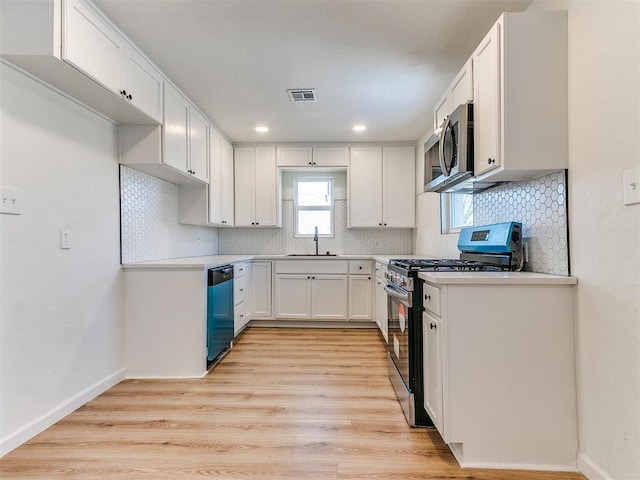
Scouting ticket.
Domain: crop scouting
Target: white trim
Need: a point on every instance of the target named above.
(38, 425)
(589, 469)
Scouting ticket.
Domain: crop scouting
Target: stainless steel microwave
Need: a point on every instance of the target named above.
(448, 157)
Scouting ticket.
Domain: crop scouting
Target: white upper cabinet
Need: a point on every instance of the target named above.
(486, 107)
(226, 185)
(520, 97)
(72, 46)
(142, 84)
(441, 111)
(175, 131)
(198, 145)
(381, 183)
(294, 156)
(365, 196)
(459, 92)
(185, 136)
(92, 45)
(313, 156)
(398, 187)
(220, 180)
(256, 187)
(461, 89)
(330, 156)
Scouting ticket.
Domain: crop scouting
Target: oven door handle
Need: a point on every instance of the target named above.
(404, 297)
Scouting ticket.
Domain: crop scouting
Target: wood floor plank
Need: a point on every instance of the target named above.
(283, 404)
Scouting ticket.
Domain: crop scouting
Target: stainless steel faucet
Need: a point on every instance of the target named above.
(315, 238)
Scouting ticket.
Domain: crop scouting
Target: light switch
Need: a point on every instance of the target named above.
(631, 179)
(11, 201)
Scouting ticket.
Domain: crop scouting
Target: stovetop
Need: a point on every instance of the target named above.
(410, 265)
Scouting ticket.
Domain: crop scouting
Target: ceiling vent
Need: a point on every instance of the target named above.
(303, 95)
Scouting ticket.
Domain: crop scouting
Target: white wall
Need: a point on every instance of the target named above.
(604, 140)
(61, 327)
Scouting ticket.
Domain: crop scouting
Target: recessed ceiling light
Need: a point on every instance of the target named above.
(262, 129)
(359, 128)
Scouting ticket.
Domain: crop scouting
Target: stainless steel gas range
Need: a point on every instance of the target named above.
(483, 248)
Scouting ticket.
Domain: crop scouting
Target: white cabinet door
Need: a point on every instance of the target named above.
(241, 317)
(244, 186)
(330, 156)
(261, 290)
(293, 296)
(381, 309)
(432, 359)
(266, 187)
(143, 83)
(486, 111)
(294, 157)
(226, 184)
(365, 187)
(198, 145)
(329, 297)
(175, 130)
(398, 187)
(215, 178)
(360, 297)
(461, 89)
(441, 111)
(92, 45)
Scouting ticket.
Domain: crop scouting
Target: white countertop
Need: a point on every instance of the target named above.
(207, 261)
(210, 261)
(496, 278)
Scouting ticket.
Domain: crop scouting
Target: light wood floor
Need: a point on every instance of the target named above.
(284, 404)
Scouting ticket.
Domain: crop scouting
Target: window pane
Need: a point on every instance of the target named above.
(309, 219)
(461, 210)
(314, 193)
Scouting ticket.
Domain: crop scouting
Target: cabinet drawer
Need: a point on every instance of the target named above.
(311, 266)
(239, 290)
(360, 266)
(239, 270)
(431, 299)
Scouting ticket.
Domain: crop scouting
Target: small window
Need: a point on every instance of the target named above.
(313, 206)
(456, 211)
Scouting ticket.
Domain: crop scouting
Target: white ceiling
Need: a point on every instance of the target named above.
(383, 63)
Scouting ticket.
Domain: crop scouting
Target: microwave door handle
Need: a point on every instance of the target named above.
(443, 164)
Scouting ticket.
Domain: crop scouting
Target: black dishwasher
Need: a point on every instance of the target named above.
(219, 311)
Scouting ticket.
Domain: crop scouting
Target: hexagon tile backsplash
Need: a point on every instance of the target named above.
(541, 206)
(277, 241)
(149, 219)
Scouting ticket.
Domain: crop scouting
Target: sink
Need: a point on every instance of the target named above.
(312, 255)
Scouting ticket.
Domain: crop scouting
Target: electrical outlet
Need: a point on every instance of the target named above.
(11, 201)
(631, 192)
(65, 239)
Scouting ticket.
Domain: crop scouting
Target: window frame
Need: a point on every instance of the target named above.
(330, 208)
(447, 223)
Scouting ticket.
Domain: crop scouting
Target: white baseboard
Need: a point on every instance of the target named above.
(590, 469)
(33, 428)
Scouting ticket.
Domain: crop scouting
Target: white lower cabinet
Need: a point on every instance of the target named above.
(499, 372)
(382, 311)
(312, 290)
(316, 297)
(361, 290)
(432, 369)
(241, 297)
(261, 290)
